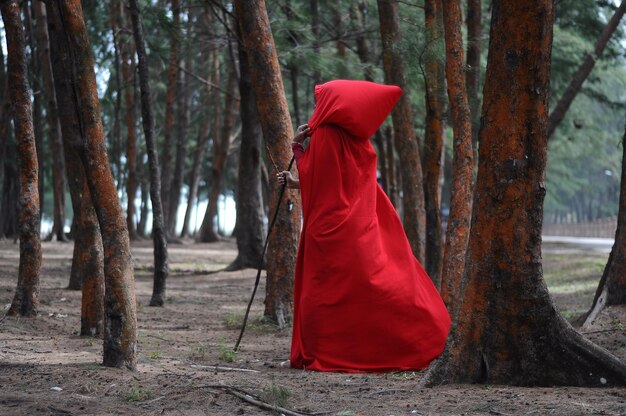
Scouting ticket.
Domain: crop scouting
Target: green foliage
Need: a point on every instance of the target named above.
(137, 394)
(275, 394)
(585, 146)
(227, 354)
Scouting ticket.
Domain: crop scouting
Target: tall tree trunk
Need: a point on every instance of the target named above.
(507, 330)
(87, 271)
(36, 108)
(116, 131)
(5, 121)
(207, 233)
(203, 133)
(172, 76)
(472, 71)
(75, 78)
(277, 129)
(127, 55)
(557, 115)
(158, 227)
(392, 178)
(434, 79)
(221, 143)
(54, 127)
(250, 232)
(458, 229)
(26, 299)
(612, 287)
(358, 15)
(184, 119)
(315, 28)
(145, 196)
(404, 135)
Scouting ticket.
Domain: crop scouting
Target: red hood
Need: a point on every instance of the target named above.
(358, 107)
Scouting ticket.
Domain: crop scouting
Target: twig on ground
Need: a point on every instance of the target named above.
(256, 401)
(599, 331)
(220, 368)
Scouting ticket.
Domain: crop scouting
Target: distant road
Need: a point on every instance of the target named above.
(558, 243)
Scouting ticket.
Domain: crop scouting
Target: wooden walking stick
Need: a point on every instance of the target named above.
(267, 238)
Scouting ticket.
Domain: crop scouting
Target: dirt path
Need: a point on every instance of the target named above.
(47, 369)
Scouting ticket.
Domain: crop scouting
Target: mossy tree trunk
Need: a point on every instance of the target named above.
(434, 78)
(458, 229)
(75, 78)
(507, 329)
(26, 299)
(275, 122)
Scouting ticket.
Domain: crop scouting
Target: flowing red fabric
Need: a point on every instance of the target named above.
(362, 302)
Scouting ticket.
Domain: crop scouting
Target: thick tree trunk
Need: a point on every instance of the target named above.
(26, 299)
(557, 115)
(251, 230)
(433, 145)
(54, 127)
(172, 76)
(75, 78)
(507, 330)
(457, 231)
(404, 135)
(275, 122)
(472, 70)
(612, 287)
(158, 227)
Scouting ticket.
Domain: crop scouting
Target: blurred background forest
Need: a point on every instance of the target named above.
(339, 39)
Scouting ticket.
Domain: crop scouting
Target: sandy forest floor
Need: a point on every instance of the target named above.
(47, 369)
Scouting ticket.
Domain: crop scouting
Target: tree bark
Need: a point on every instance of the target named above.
(54, 127)
(127, 55)
(221, 143)
(458, 229)
(75, 78)
(507, 330)
(205, 127)
(558, 114)
(315, 29)
(26, 299)
(472, 71)
(251, 230)
(116, 131)
(158, 227)
(172, 76)
(404, 135)
(612, 287)
(206, 233)
(184, 119)
(277, 129)
(434, 79)
(34, 73)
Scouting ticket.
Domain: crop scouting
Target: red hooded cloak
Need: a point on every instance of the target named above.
(362, 302)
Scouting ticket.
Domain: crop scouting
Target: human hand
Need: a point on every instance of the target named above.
(285, 177)
(301, 133)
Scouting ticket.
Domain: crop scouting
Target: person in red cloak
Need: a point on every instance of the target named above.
(362, 301)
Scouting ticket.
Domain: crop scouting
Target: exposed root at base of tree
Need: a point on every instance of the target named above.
(568, 359)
